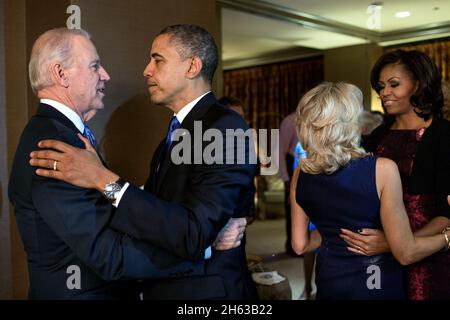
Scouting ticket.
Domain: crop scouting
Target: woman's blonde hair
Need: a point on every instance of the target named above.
(327, 127)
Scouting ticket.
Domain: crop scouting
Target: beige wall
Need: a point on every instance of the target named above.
(16, 116)
(24, 20)
(129, 128)
(5, 234)
(352, 64)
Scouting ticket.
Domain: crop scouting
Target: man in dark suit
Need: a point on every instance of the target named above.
(72, 251)
(191, 199)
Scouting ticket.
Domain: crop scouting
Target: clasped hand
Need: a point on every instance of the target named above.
(73, 165)
(366, 242)
(231, 235)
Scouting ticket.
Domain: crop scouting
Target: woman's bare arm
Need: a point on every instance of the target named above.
(302, 240)
(405, 246)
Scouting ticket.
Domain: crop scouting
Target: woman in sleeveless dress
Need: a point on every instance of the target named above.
(417, 138)
(339, 185)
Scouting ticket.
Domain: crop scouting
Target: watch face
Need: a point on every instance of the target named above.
(111, 189)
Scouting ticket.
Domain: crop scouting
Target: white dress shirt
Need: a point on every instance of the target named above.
(65, 110)
(181, 115)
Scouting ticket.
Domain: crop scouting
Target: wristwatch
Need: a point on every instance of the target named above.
(112, 189)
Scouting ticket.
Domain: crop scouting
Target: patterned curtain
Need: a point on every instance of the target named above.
(437, 50)
(270, 92)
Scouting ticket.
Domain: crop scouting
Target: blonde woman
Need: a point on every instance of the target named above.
(339, 185)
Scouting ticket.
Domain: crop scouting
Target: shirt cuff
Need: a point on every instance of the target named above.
(208, 253)
(119, 196)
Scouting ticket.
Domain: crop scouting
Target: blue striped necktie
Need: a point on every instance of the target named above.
(174, 125)
(87, 133)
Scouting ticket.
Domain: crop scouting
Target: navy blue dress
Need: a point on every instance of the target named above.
(348, 199)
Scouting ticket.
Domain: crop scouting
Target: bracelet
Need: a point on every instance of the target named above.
(447, 239)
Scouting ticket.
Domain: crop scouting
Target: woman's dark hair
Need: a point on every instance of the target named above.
(428, 98)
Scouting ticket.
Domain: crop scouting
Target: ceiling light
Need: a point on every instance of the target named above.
(374, 20)
(402, 14)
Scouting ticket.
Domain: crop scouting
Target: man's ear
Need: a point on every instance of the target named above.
(59, 75)
(194, 68)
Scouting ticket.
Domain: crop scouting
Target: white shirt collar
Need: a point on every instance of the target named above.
(187, 108)
(65, 110)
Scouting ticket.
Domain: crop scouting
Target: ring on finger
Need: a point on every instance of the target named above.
(55, 163)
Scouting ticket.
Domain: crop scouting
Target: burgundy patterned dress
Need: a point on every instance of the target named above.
(430, 277)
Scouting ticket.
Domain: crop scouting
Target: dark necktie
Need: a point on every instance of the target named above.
(174, 125)
(87, 133)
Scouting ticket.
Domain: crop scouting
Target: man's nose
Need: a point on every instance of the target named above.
(147, 70)
(104, 76)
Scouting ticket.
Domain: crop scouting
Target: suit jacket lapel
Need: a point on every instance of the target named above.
(150, 184)
(46, 111)
(188, 123)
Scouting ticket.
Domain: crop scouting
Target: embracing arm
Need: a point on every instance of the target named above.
(371, 241)
(202, 198)
(209, 203)
(80, 218)
(192, 225)
(405, 246)
(435, 226)
(79, 167)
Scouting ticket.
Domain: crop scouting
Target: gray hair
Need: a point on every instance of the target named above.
(53, 46)
(368, 121)
(192, 40)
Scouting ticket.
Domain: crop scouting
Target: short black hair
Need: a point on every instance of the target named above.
(195, 41)
(229, 101)
(428, 98)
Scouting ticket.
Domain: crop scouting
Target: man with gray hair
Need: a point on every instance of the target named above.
(72, 251)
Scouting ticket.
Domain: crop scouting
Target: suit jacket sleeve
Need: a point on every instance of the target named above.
(80, 217)
(186, 227)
